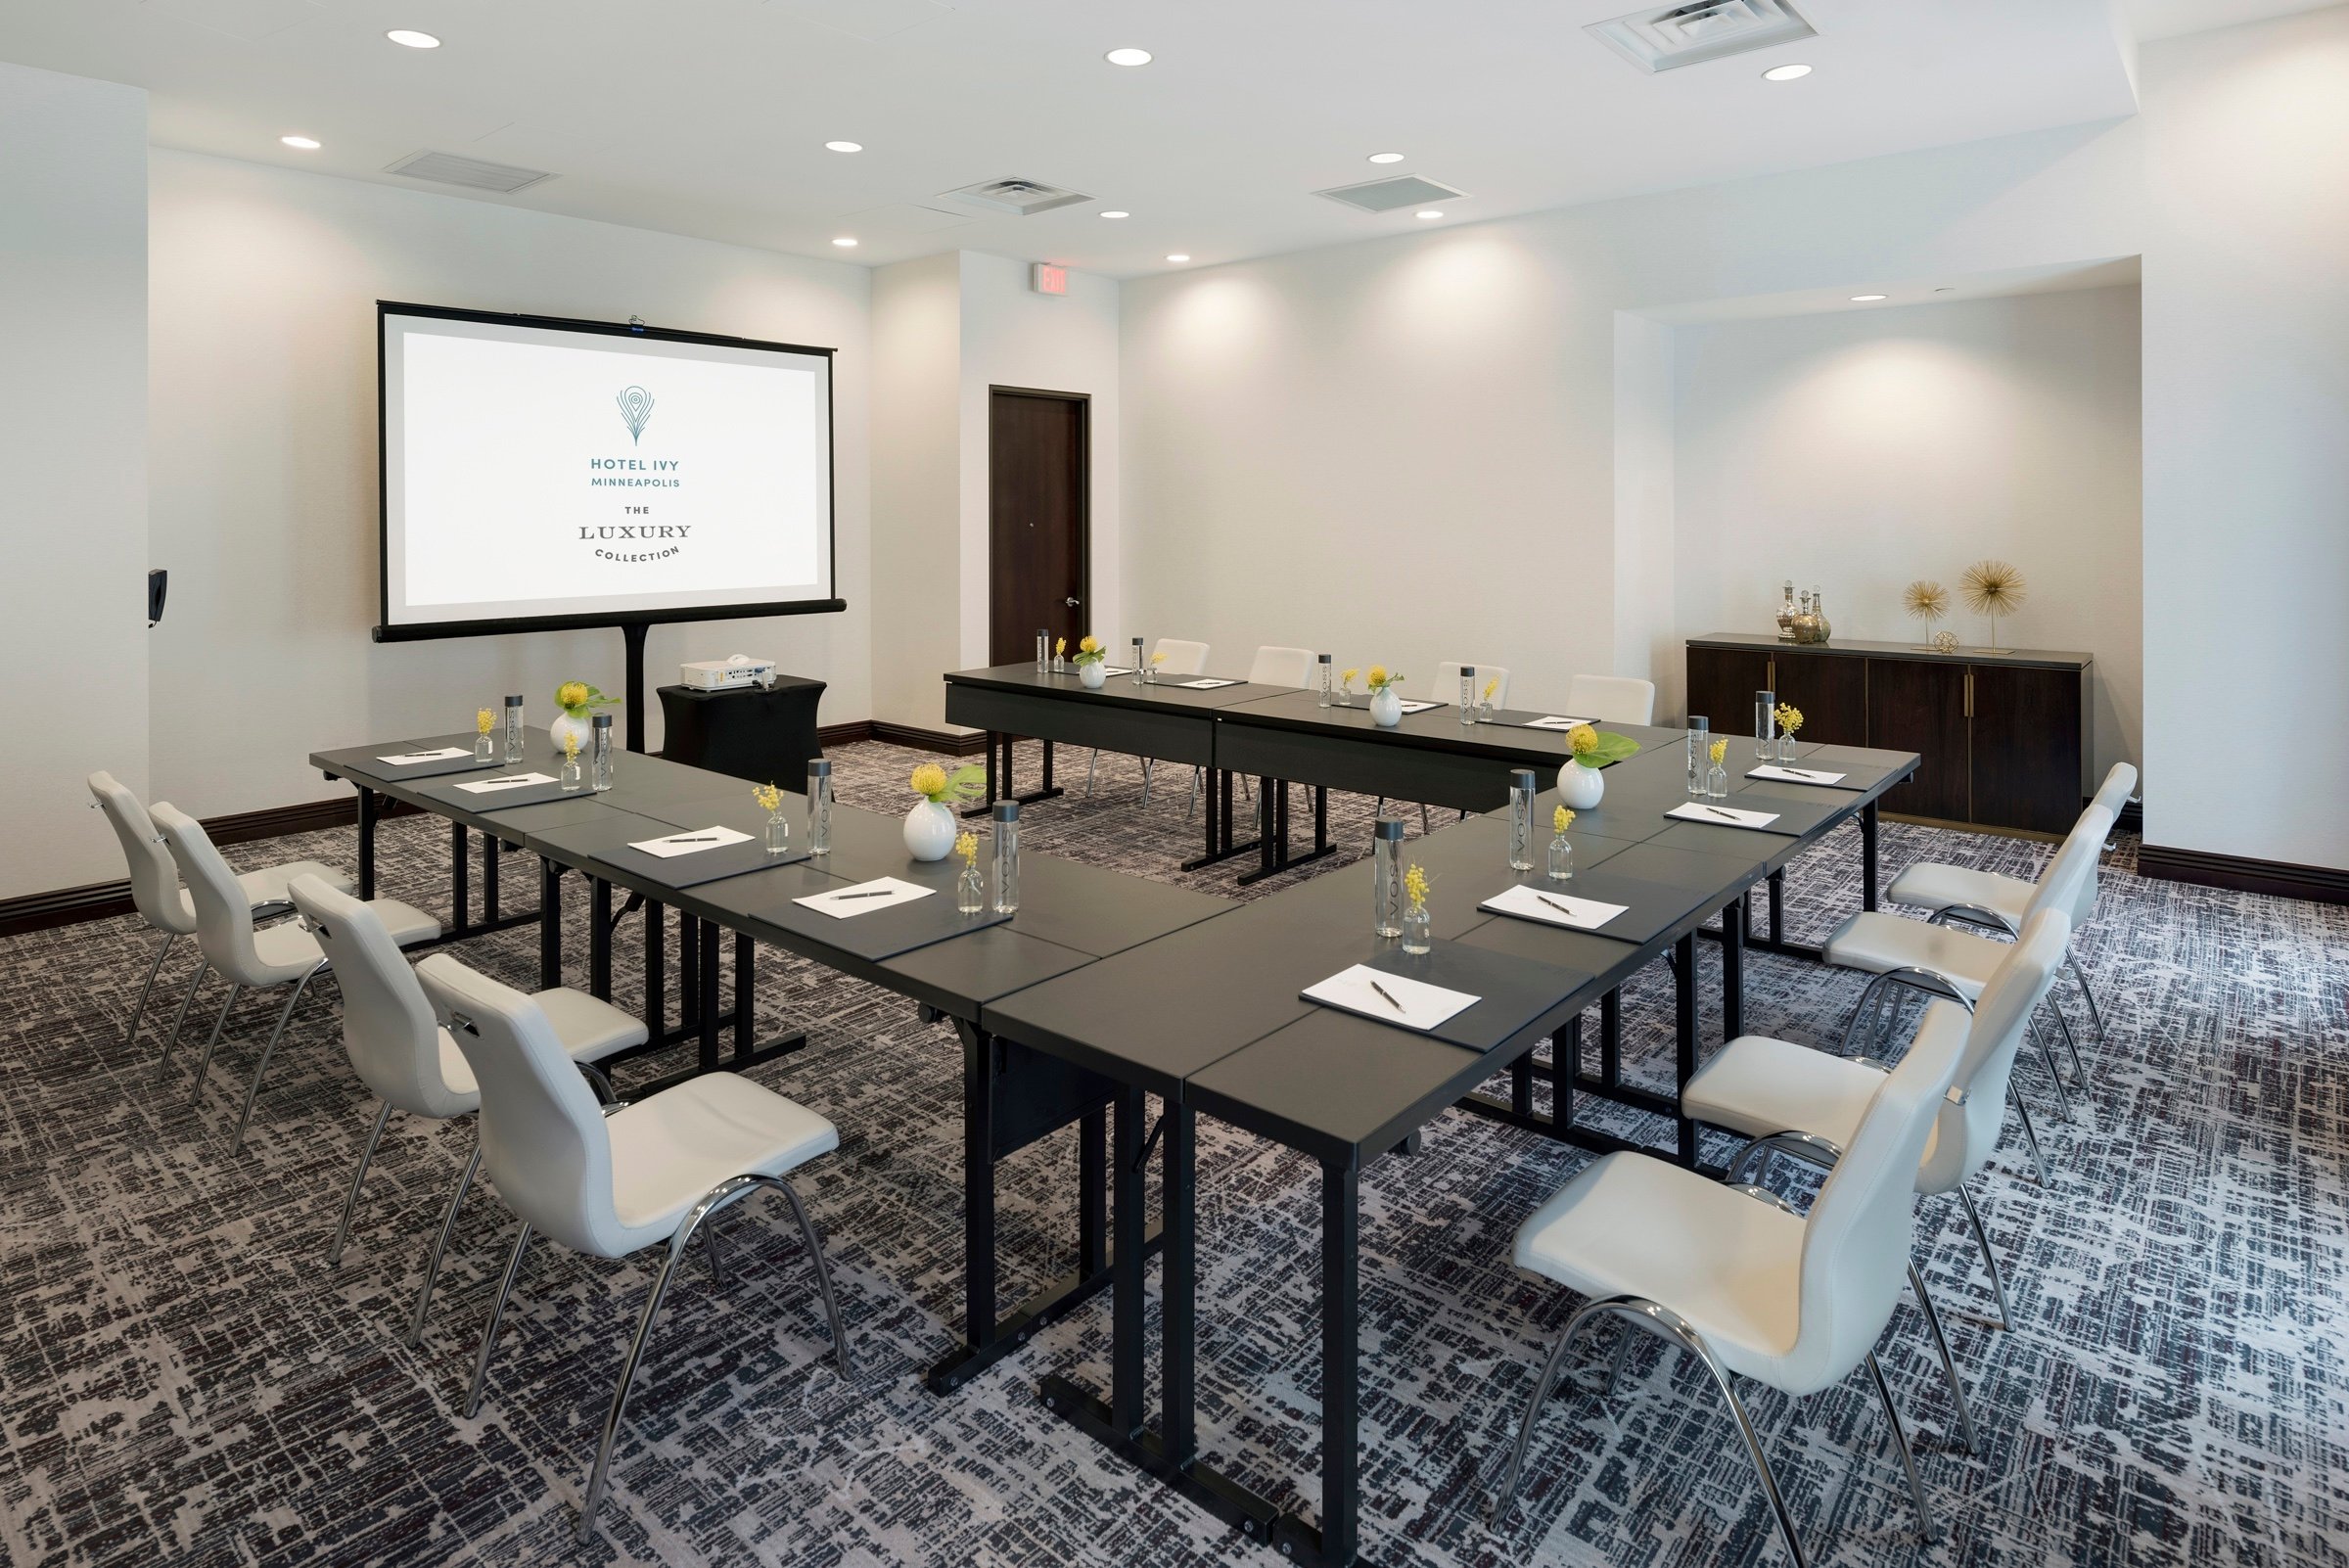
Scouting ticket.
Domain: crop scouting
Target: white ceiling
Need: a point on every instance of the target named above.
(707, 117)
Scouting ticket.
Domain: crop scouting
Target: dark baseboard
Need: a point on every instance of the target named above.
(928, 740)
(2130, 819)
(247, 827)
(64, 906)
(2317, 883)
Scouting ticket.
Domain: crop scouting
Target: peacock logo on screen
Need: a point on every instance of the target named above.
(636, 409)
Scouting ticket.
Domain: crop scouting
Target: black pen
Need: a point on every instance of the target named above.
(1724, 815)
(877, 893)
(1554, 904)
(510, 778)
(1382, 991)
(707, 838)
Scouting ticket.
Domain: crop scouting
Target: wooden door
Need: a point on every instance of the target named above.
(1038, 465)
(1830, 689)
(1918, 705)
(1721, 682)
(2028, 737)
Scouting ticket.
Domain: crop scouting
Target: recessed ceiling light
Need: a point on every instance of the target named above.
(844, 146)
(412, 39)
(1127, 56)
(1786, 73)
(846, 242)
(1178, 257)
(1117, 215)
(1866, 299)
(304, 143)
(1431, 212)
(1386, 157)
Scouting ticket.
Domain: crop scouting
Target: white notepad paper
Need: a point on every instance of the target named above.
(1207, 683)
(1411, 707)
(508, 781)
(411, 758)
(882, 892)
(1795, 776)
(689, 841)
(1414, 1003)
(1723, 815)
(1554, 721)
(1554, 908)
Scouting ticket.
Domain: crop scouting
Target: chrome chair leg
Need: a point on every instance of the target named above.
(440, 1239)
(710, 1250)
(1623, 1354)
(1990, 1258)
(498, 1311)
(601, 1084)
(1090, 763)
(139, 1009)
(1507, 1493)
(1868, 994)
(1899, 1441)
(1948, 1366)
(162, 1062)
(1146, 781)
(824, 1276)
(252, 1092)
(2063, 1097)
(2071, 1046)
(333, 1254)
(196, 1092)
(2022, 1114)
(1192, 809)
(2088, 994)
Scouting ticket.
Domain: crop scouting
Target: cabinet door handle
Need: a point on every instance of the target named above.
(1969, 691)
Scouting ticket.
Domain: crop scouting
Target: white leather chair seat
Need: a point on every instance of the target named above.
(1927, 886)
(1759, 1085)
(268, 885)
(589, 1031)
(669, 1151)
(290, 953)
(1632, 1226)
(1874, 941)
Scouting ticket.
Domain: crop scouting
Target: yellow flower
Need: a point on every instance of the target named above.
(571, 694)
(1492, 686)
(769, 797)
(1378, 675)
(1088, 643)
(1789, 716)
(1582, 740)
(928, 780)
(571, 746)
(1061, 646)
(967, 846)
(1345, 676)
(1720, 749)
(1158, 659)
(1414, 884)
(485, 720)
(1561, 819)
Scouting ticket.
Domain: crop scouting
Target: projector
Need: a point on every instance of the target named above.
(724, 674)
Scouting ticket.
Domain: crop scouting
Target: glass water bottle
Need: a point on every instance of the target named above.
(1561, 859)
(1717, 782)
(1386, 878)
(573, 775)
(1321, 669)
(1044, 650)
(1468, 694)
(512, 731)
(1523, 787)
(599, 753)
(1701, 751)
(819, 806)
(1766, 722)
(1140, 662)
(1007, 856)
(970, 890)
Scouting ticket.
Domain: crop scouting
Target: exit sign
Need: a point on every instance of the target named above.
(1045, 278)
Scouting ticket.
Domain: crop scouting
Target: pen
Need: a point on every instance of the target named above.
(1718, 811)
(510, 778)
(707, 838)
(1382, 991)
(1554, 904)
(877, 893)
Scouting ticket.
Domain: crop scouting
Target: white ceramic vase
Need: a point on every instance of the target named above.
(1092, 676)
(929, 831)
(1580, 787)
(1386, 708)
(565, 724)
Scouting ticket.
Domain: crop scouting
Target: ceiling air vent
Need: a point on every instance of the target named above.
(473, 173)
(1385, 196)
(1017, 197)
(1700, 30)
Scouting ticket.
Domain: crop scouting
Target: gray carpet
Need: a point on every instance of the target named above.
(183, 1379)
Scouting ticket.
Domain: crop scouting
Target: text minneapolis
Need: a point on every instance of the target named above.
(623, 473)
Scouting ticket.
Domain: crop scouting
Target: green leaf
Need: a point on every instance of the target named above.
(966, 783)
(1612, 747)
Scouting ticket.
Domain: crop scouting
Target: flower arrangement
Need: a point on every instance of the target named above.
(769, 797)
(1789, 718)
(1561, 819)
(966, 846)
(1593, 747)
(1089, 650)
(1345, 679)
(483, 721)
(571, 749)
(1720, 750)
(579, 699)
(1157, 659)
(1415, 886)
(1492, 686)
(935, 785)
(1060, 646)
(1381, 677)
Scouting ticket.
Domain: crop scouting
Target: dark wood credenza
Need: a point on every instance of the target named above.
(2003, 736)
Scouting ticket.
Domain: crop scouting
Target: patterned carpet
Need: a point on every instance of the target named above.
(182, 1378)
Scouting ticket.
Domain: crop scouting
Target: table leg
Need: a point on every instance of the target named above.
(1126, 1219)
(1565, 1061)
(1335, 1542)
(1321, 844)
(1179, 1271)
(1777, 907)
(656, 970)
(1521, 1083)
(489, 854)
(745, 992)
(689, 965)
(1733, 969)
(705, 933)
(990, 767)
(1046, 787)
(550, 924)
(1684, 1034)
(599, 939)
(460, 877)
(1868, 824)
(367, 811)
(1268, 827)
(1610, 1039)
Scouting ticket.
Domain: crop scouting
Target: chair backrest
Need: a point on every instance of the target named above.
(2111, 794)
(544, 1139)
(154, 878)
(388, 1025)
(1183, 657)
(1282, 667)
(2071, 875)
(1447, 688)
(1967, 1133)
(1855, 1240)
(224, 914)
(1616, 699)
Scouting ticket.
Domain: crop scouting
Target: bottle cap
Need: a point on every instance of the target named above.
(1467, 671)
(1007, 811)
(1325, 658)
(819, 767)
(513, 702)
(1523, 779)
(1389, 827)
(602, 720)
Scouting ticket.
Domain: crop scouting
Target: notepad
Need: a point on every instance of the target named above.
(1409, 707)
(882, 892)
(1554, 722)
(689, 841)
(1117, 670)
(1723, 815)
(1552, 907)
(1208, 683)
(1795, 776)
(510, 781)
(446, 754)
(1406, 1003)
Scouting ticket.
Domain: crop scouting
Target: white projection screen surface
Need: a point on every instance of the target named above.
(539, 474)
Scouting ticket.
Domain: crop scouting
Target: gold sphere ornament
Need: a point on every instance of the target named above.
(1945, 642)
(1992, 588)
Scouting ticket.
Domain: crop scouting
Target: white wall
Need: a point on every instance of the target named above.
(917, 496)
(1854, 451)
(73, 446)
(263, 408)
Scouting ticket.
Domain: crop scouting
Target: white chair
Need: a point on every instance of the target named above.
(247, 957)
(411, 1063)
(156, 892)
(1749, 1287)
(1282, 667)
(613, 1182)
(1992, 901)
(1939, 960)
(1612, 699)
(1178, 657)
(1809, 1103)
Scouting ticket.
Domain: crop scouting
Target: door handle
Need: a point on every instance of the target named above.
(1071, 603)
